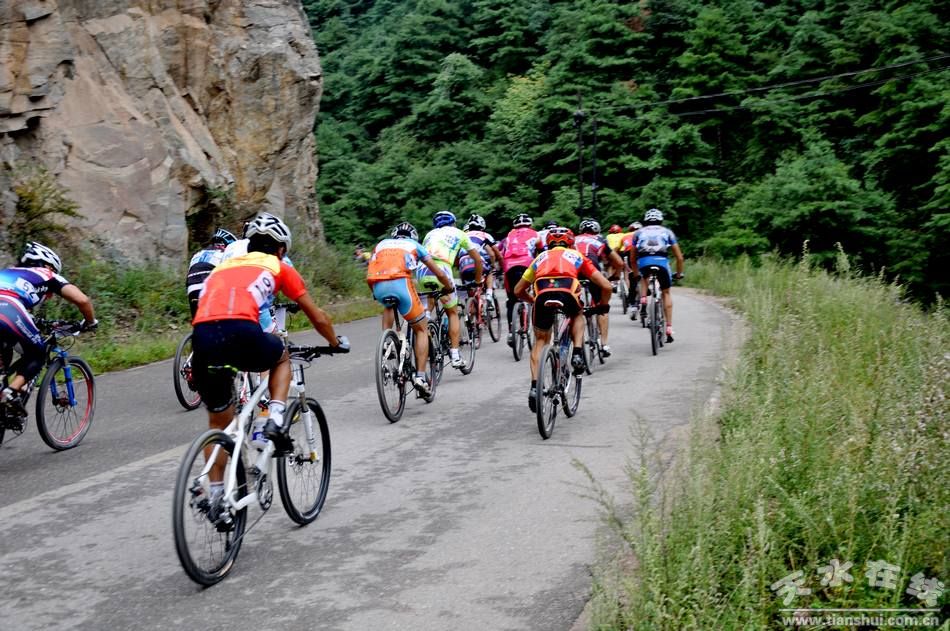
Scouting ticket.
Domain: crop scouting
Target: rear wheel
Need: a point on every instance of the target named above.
(571, 388)
(303, 476)
(470, 324)
(390, 384)
(181, 376)
(590, 343)
(624, 299)
(493, 318)
(436, 353)
(206, 544)
(65, 403)
(654, 325)
(517, 349)
(548, 394)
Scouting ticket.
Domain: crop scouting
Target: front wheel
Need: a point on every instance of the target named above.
(548, 392)
(590, 344)
(65, 403)
(208, 533)
(303, 476)
(182, 378)
(493, 315)
(471, 328)
(390, 382)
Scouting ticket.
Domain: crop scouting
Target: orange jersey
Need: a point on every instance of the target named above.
(239, 287)
(558, 269)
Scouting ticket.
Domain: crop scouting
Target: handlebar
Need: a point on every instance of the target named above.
(291, 307)
(308, 353)
(60, 327)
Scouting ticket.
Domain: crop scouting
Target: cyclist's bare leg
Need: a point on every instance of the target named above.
(218, 420)
(578, 323)
(388, 319)
(279, 383)
(454, 326)
(668, 306)
(541, 340)
(603, 321)
(421, 344)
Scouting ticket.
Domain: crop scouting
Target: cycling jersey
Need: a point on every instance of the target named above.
(23, 289)
(201, 265)
(482, 241)
(395, 258)
(519, 248)
(652, 244)
(558, 270)
(238, 288)
(30, 285)
(445, 243)
(594, 247)
(268, 318)
(614, 239)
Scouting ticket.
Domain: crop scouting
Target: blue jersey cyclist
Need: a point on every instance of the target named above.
(389, 274)
(487, 248)
(22, 289)
(652, 244)
(444, 244)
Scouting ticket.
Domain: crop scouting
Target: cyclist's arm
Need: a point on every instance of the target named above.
(521, 291)
(319, 318)
(601, 281)
(495, 255)
(678, 253)
(75, 295)
(615, 262)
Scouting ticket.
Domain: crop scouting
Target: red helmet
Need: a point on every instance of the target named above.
(560, 237)
(614, 229)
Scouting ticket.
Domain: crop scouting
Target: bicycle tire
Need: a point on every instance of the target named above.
(435, 342)
(654, 325)
(546, 403)
(430, 369)
(590, 343)
(300, 470)
(190, 510)
(661, 326)
(517, 348)
(390, 385)
(571, 391)
(471, 328)
(529, 326)
(472, 322)
(493, 315)
(62, 425)
(624, 298)
(188, 397)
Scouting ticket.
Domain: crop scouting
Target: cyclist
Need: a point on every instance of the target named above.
(444, 242)
(227, 333)
(633, 275)
(22, 289)
(202, 264)
(389, 275)
(652, 244)
(614, 237)
(554, 276)
(487, 248)
(591, 244)
(543, 233)
(518, 249)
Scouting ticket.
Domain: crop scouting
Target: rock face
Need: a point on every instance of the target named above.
(145, 108)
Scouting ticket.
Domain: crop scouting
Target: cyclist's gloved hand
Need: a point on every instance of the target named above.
(88, 326)
(344, 344)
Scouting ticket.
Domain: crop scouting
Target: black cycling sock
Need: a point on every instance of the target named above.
(510, 305)
(534, 383)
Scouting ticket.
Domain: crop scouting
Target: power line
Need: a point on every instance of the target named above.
(773, 86)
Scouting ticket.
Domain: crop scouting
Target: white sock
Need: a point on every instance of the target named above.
(454, 353)
(277, 412)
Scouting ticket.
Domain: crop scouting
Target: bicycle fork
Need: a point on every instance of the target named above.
(68, 378)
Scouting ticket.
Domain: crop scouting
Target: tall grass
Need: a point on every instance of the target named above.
(832, 443)
(143, 310)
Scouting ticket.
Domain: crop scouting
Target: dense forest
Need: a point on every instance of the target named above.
(753, 125)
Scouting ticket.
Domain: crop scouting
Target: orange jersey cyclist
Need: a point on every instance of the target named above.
(227, 332)
(389, 274)
(554, 275)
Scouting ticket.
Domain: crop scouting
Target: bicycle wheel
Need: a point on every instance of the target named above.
(571, 391)
(472, 317)
(303, 477)
(548, 393)
(661, 323)
(390, 384)
(436, 354)
(181, 376)
(529, 326)
(517, 349)
(434, 361)
(493, 318)
(590, 344)
(206, 547)
(654, 325)
(470, 325)
(624, 301)
(63, 424)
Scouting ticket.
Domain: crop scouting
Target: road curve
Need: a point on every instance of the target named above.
(457, 517)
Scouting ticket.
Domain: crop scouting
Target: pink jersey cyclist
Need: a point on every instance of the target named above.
(518, 250)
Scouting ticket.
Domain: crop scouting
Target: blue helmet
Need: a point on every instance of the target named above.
(443, 218)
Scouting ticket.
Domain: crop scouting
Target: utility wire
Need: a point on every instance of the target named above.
(773, 86)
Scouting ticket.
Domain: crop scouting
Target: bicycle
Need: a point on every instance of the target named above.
(485, 313)
(654, 309)
(439, 336)
(593, 349)
(395, 366)
(209, 530)
(557, 385)
(185, 389)
(524, 331)
(66, 397)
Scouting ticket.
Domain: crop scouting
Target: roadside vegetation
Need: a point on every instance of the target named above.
(831, 443)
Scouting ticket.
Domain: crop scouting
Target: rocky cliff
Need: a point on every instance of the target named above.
(145, 109)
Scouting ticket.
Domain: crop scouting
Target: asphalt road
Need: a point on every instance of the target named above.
(458, 517)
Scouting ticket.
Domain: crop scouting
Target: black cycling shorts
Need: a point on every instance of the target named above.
(512, 276)
(239, 344)
(662, 275)
(544, 315)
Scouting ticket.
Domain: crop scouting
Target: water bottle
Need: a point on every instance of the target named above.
(258, 440)
(445, 326)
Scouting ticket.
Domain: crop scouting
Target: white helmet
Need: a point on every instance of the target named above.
(40, 254)
(273, 227)
(653, 215)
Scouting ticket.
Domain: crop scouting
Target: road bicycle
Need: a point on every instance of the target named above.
(523, 331)
(439, 336)
(593, 348)
(210, 528)
(396, 365)
(655, 318)
(484, 313)
(557, 386)
(185, 388)
(66, 396)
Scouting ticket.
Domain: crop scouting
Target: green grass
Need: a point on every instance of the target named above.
(143, 311)
(831, 442)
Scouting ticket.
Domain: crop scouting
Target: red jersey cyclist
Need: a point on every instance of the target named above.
(554, 275)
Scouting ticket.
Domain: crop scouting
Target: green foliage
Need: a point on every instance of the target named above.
(830, 443)
(42, 204)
